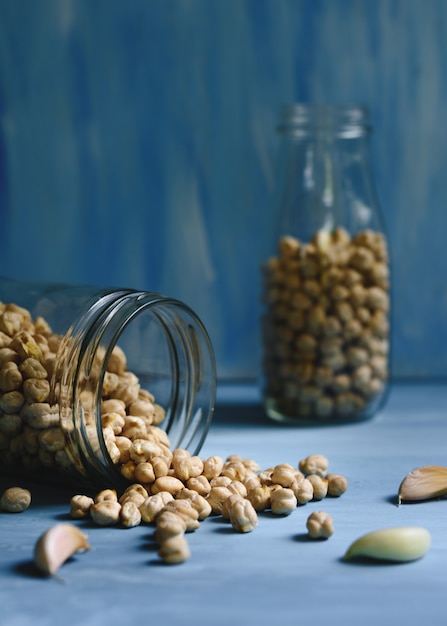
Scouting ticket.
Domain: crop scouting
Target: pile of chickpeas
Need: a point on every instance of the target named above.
(326, 324)
(31, 432)
(169, 488)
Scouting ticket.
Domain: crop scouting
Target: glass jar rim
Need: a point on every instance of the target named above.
(89, 345)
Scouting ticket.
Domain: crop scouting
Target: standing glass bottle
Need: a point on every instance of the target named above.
(326, 289)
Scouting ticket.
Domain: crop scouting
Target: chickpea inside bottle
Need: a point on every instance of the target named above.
(326, 288)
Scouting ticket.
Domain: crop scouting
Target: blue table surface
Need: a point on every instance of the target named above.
(273, 574)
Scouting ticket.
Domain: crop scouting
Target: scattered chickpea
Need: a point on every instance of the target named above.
(319, 525)
(167, 483)
(80, 506)
(212, 467)
(15, 500)
(237, 493)
(320, 486)
(105, 512)
(200, 484)
(283, 474)
(337, 485)
(135, 493)
(130, 514)
(237, 486)
(283, 501)
(304, 492)
(243, 516)
(314, 464)
(259, 496)
(174, 550)
(106, 495)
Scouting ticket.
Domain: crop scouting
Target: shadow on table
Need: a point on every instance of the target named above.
(245, 414)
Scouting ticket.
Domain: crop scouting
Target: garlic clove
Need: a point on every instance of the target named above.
(56, 545)
(399, 544)
(423, 483)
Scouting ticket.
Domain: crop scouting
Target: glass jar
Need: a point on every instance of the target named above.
(326, 289)
(87, 372)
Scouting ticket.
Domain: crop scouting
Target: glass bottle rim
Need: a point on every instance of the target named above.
(347, 121)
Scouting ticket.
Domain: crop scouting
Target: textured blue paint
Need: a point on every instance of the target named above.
(137, 147)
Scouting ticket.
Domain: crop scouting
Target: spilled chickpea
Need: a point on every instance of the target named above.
(235, 489)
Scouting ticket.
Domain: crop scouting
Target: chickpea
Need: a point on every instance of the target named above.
(283, 501)
(337, 485)
(80, 506)
(15, 500)
(320, 525)
(314, 464)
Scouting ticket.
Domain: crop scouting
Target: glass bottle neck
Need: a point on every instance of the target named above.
(337, 121)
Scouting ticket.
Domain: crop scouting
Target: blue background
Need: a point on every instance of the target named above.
(137, 148)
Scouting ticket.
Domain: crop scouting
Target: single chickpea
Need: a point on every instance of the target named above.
(259, 496)
(283, 474)
(80, 506)
(319, 525)
(212, 467)
(144, 473)
(319, 485)
(283, 501)
(304, 491)
(167, 483)
(200, 484)
(236, 486)
(15, 500)
(243, 516)
(314, 464)
(105, 512)
(174, 550)
(106, 495)
(337, 485)
(130, 515)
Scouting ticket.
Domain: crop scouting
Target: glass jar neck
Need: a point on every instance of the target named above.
(338, 121)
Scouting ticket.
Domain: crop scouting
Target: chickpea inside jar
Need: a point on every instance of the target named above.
(326, 288)
(91, 378)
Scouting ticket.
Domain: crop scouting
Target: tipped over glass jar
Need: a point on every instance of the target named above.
(90, 375)
(326, 287)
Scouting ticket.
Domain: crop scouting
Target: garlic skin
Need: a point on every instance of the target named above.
(398, 544)
(56, 545)
(423, 483)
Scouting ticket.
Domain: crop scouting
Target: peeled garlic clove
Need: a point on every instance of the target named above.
(424, 483)
(402, 543)
(56, 545)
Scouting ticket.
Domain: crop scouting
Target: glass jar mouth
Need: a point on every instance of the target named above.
(178, 371)
(346, 121)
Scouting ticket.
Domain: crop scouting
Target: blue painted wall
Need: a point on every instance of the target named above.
(137, 147)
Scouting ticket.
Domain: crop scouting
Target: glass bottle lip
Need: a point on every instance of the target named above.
(346, 121)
